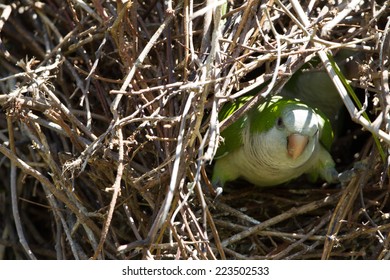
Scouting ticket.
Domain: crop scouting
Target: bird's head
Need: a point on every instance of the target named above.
(300, 125)
(288, 128)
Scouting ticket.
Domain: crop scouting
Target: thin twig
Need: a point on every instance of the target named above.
(116, 189)
(14, 195)
(163, 213)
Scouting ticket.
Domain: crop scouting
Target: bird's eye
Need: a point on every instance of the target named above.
(279, 123)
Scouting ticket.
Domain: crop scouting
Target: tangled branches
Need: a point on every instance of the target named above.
(109, 126)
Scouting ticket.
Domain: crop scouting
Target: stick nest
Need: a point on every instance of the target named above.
(109, 125)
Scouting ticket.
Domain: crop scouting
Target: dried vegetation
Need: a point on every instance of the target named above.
(108, 126)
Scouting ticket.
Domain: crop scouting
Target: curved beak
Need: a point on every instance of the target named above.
(296, 143)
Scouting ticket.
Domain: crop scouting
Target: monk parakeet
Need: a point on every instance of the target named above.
(273, 143)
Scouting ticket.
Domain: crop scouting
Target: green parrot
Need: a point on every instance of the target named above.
(274, 143)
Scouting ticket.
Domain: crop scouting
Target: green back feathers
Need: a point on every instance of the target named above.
(262, 118)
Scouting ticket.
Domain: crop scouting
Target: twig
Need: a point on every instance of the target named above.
(163, 213)
(343, 207)
(75, 248)
(89, 11)
(67, 112)
(323, 220)
(116, 188)
(217, 239)
(14, 195)
(132, 222)
(46, 183)
(340, 16)
(139, 61)
(236, 213)
(7, 10)
(277, 219)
